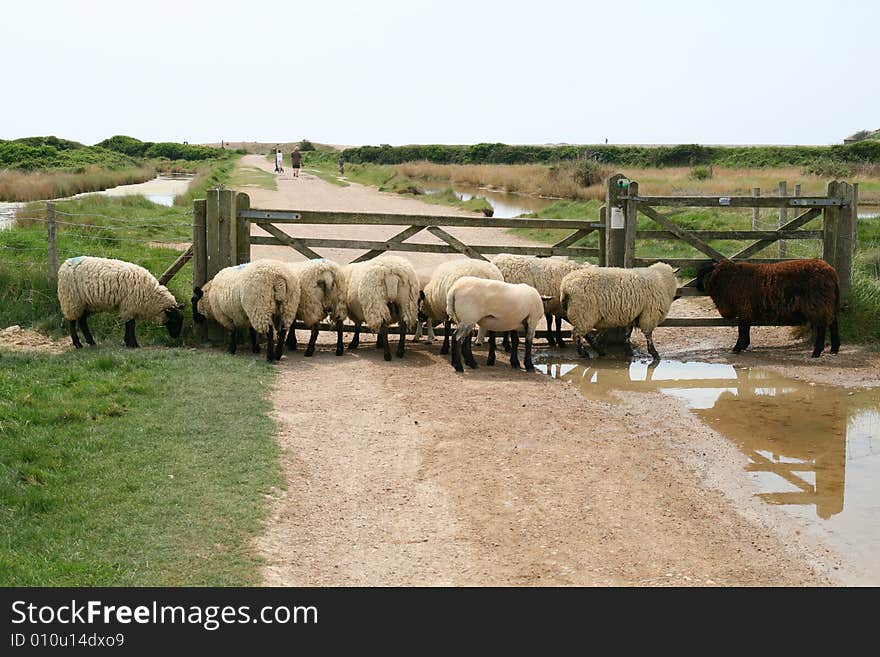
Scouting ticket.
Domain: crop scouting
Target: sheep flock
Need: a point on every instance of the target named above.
(507, 297)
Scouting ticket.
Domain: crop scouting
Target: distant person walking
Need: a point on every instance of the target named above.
(279, 161)
(296, 161)
(341, 163)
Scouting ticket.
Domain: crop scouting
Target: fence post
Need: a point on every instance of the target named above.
(200, 260)
(615, 222)
(242, 229)
(212, 234)
(52, 245)
(855, 217)
(630, 211)
(603, 236)
(227, 243)
(829, 226)
(783, 216)
(844, 245)
(756, 212)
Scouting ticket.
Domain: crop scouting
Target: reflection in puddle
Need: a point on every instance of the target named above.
(504, 204)
(161, 189)
(814, 449)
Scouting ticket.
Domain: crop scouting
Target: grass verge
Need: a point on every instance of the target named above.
(133, 468)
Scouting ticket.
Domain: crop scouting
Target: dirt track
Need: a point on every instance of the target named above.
(405, 473)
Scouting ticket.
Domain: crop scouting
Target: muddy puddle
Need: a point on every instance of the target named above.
(813, 450)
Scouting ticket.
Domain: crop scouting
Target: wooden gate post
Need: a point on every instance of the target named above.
(783, 216)
(615, 222)
(829, 225)
(603, 238)
(227, 225)
(242, 230)
(845, 242)
(212, 234)
(200, 259)
(630, 215)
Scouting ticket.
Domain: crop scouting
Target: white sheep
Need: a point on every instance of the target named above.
(262, 295)
(545, 275)
(381, 292)
(608, 297)
(497, 306)
(432, 299)
(87, 285)
(322, 294)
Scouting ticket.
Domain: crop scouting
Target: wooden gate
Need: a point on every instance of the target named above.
(838, 210)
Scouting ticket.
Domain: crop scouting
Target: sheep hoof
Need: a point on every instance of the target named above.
(458, 368)
(399, 354)
(490, 362)
(309, 353)
(473, 365)
(340, 351)
(444, 351)
(387, 356)
(530, 368)
(816, 354)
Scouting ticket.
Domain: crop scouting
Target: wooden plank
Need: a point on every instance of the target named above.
(574, 237)
(603, 242)
(797, 222)
(630, 218)
(733, 234)
(410, 247)
(457, 244)
(400, 237)
(829, 225)
(226, 226)
(740, 201)
(689, 291)
(844, 244)
(682, 234)
(285, 239)
(212, 233)
(176, 266)
(360, 218)
(699, 262)
(200, 262)
(242, 229)
(783, 216)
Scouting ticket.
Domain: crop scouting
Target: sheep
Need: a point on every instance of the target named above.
(322, 293)
(545, 275)
(424, 279)
(87, 284)
(789, 292)
(380, 292)
(432, 299)
(608, 297)
(262, 295)
(497, 306)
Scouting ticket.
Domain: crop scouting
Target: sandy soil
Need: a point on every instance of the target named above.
(21, 339)
(405, 473)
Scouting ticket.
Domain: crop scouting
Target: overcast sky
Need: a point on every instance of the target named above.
(451, 72)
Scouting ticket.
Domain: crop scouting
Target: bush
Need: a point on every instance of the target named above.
(588, 172)
(827, 168)
(306, 145)
(701, 173)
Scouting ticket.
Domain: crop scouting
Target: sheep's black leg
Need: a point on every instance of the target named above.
(130, 338)
(291, 338)
(456, 355)
(469, 359)
(339, 346)
(835, 337)
(579, 343)
(530, 367)
(279, 347)
(559, 341)
(255, 342)
(356, 340)
(74, 336)
(401, 345)
(383, 338)
(651, 348)
(447, 326)
(514, 349)
(551, 339)
(270, 344)
(743, 339)
(310, 348)
(491, 359)
(84, 327)
(595, 345)
(505, 341)
(819, 346)
(233, 343)
(379, 339)
(627, 340)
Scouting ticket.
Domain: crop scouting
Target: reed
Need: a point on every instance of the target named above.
(39, 185)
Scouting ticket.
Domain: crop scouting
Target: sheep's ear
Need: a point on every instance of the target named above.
(676, 270)
(546, 298)
(421, 295)
(197, 292)
(181, 306)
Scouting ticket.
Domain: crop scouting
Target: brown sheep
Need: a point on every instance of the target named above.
(788, 292)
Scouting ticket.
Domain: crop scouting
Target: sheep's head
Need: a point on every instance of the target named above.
(704, 275)
(198, 293)
(423, 317)
(174, 320)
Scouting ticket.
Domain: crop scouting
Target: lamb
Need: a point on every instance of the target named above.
(788, 292)
(432, 299)
(608, 297)
(87, 284)
(497, 306)
(545, 275)
(262, 295)
(381, 292)
(322, 293)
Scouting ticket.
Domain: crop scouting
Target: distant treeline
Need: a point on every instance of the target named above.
(634, 156)
(119, 152)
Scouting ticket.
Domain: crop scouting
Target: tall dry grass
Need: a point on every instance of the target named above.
(41, 185)
(559, 180)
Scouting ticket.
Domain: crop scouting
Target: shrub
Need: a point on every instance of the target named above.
(589, 171)
(306, 145)
(701, 172)
(827, 168)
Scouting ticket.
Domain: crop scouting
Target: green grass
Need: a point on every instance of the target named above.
(133, 467)
(244, 177)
